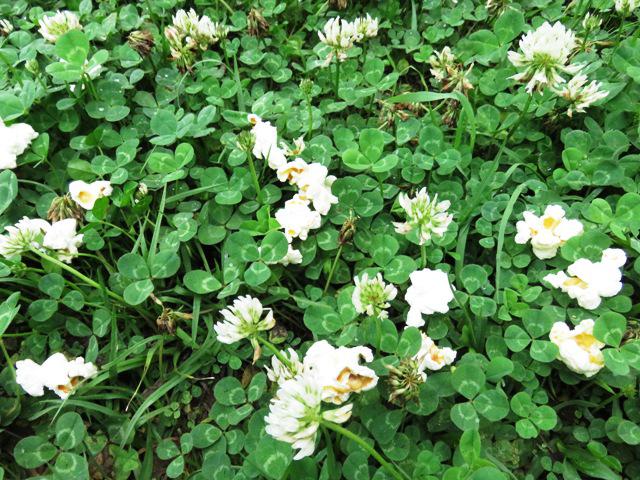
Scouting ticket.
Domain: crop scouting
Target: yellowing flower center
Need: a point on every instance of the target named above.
(585, 340)
(550, 223)
(85, 197)
(575, 282)
(354, 381)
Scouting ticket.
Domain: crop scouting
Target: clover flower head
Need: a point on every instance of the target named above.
(296, 219)
(14, 140)
(293, 257)
(430, 292)
(365, 27)
(295, 414)
(625, 7)
(56, 373)
(52, 28)
(338, 370)
(588, 282)
(62, 238)
(28, 233)
(544, 54)
(243, 320)
(340, 36)
(432, 357)
(548, 232)
(280, 372)
(578, 349)
(426, 215)
(579, 94)
(372, 295)
(5, 27)
(86, 194)
(265, 144)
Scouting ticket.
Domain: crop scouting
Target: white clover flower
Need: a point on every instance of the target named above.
(548, 232)
(430, 292)
(372, 295)
(85, 194)
(266, 143)
(545, 53)
(52, 28)
(428, 216)
(279, 372)
(588, 282)
(338, 370)
(578, 349)
(295, 414)
(14, 140)
(62, 237)
(290, 171)
(314, 185)
(56, 373)
(579, 94)
(243, 320)
(626, 6)
(442, 62)
(26, 234)
(365, 27)
(293, 257)
(5, 27)
(340, 36)
(591, 22)
(296, 219)
(431, 357)
(298, 147)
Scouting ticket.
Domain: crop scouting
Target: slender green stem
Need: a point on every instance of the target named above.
(511, 131)
(7, 358)
(333, 268)
(372, 451)
(77, 274)
(423, 255)
(31, 182)
(310, 110)
(337, 75)
(276, 351)
(254, 175)
(472, 331)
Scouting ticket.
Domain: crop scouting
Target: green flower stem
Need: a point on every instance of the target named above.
(276, 351)
(333, 268)
(254, 175)
(7, 358)
(337, 74)
(310, 110)
(513, 128)
(472, 331)
(77, 274)
(372, 451)
(423, 255)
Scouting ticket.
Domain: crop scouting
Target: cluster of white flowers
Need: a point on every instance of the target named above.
(588, 282)
(432, 357)
(52, 28)
(340, 35)
(579, 94)
(85, 194)
(243, 320)
(430, 292)
(29, 233)
(427, 216)
(545, 53)
(14, 140)
(326, 374)
(625, 7)
(56, 373)
(372, 295)
(313, 181)
(578, 349)
(190, 33)
(548, 232)
(449, 72)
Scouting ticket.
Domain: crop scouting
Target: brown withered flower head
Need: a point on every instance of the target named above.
(64, 207)
(257, 25)
(141, 41)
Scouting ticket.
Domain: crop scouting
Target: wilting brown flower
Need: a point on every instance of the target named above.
(257, 25)
(64, 207)
(141, 41)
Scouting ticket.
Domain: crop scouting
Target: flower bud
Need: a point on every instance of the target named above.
(404, 381)
(141, 192)
(245, 142)
(32, 66)
(306, 87)
(348, 230)
(5, 27)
